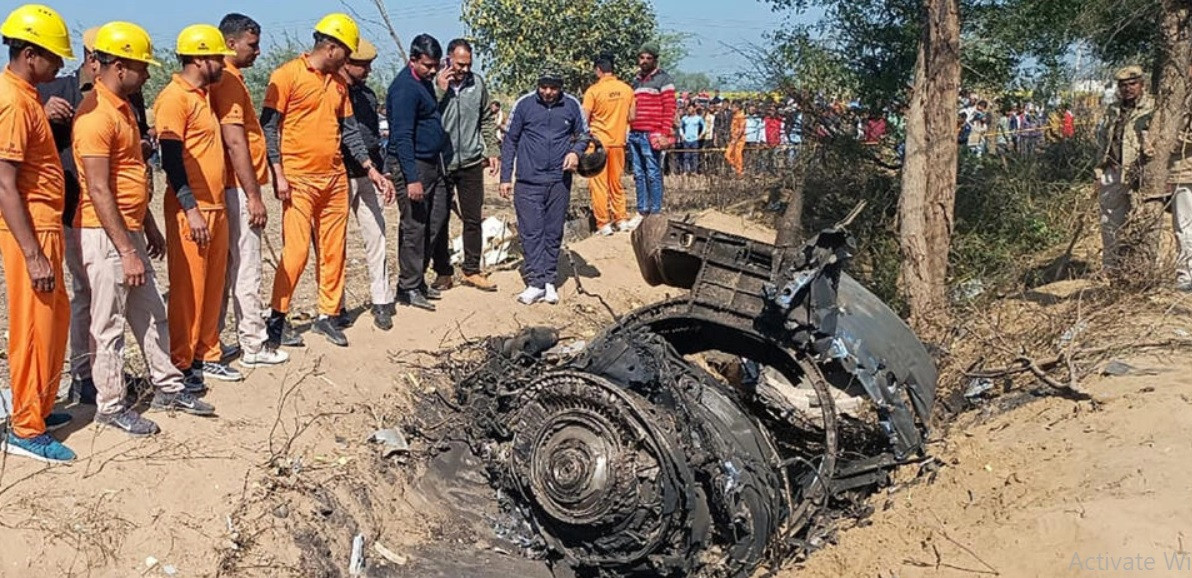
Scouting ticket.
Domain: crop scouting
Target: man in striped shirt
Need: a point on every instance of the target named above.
(654, 98)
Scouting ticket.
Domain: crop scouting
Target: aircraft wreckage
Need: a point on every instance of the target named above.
(630, 458)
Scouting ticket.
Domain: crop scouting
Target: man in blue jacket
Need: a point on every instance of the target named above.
(547, 133)
(418, 151)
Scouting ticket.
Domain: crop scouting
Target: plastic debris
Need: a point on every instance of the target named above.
(497, 239)
(356, 566)
(977, 388)
(392, 441)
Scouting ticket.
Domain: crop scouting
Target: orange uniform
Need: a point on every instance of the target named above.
(38, 322)
(233, 106)
(106, 126)
(311, 104)
(608, 102)
(735, 155)
(183, 113)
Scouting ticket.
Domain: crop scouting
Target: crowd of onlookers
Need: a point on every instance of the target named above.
(775, 128)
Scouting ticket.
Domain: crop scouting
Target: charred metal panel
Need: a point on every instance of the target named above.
(801, 300)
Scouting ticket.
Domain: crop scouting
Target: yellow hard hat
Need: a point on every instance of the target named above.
(39, 25)
(89, 37)
(202, 40)
(366, 52)
(125, 40)
(342, 28)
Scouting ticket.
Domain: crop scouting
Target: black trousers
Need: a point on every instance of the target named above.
(422, 222)
(466, 186)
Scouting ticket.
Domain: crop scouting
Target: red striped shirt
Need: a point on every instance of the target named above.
(655, 99)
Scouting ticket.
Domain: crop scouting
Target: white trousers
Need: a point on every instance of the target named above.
(243, 284)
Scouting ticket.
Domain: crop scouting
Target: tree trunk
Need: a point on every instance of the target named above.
(1174, 54)
(929, 171)
(790, 225)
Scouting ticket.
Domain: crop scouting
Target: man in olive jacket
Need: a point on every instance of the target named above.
(471, 125)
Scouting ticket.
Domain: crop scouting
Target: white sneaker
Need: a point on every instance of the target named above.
(531, 295)
(605, 231)
(634, 222)
(265, 357)
(622, 226)
(552, 295)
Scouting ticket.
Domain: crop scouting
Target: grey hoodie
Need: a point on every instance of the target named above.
(470, 124)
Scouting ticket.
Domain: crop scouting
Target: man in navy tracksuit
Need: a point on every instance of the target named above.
(418, 151)
(546, 135)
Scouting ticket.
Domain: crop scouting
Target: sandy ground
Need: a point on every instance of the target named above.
(1042, 490)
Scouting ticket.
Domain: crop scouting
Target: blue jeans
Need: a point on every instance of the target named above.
(691, 157)
(647, 173)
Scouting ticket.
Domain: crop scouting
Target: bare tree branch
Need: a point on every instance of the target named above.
(383, 10)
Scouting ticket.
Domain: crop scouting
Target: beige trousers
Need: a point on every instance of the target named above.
(1114, 198)
(81, 345)
(112, 304)
(243, 281)
(1181, 217)
(368, 208)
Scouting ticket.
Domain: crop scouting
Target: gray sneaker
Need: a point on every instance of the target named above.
(219, 371)
(128, 421)
(181, 401)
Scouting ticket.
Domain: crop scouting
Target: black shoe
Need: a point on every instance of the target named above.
(382, 318)
(326, 327)
(443, 282)
(181, 401)
(57, 420)
(415, 299)
(275, 326)
(391, 308)
(128, 421)
(192, 380)
(291, 338)
(344, 320)
(431, 293)
(85, 389)
(278, 332)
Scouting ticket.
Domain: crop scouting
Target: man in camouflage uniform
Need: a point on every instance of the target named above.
(1123, 142)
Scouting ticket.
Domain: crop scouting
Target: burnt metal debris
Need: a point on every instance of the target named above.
(631, 459)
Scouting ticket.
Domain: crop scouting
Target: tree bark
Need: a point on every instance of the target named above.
(790, 226)
(1174, 54)
(928, 197)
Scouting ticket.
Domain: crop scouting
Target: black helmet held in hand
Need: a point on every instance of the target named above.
(592, 162)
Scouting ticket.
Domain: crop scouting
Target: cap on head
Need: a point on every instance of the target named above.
(202, 40)
(365, 52)
(342, 28)
(89, 38)
(1128, 73)
(38, 25)
(123, 40)
(550, 77)
(649, 48)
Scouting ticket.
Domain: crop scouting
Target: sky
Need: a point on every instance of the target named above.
(711, 24)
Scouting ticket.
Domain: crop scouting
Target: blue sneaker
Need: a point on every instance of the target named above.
(43, 448)
(57, 420)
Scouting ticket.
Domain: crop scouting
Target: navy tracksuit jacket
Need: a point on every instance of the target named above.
(540, 136)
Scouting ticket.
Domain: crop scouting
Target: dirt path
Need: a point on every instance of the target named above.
(1043, 491)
